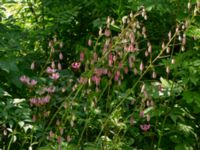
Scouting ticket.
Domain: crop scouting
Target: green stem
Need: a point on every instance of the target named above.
(85, 127)
(161, 133)
(11, 140)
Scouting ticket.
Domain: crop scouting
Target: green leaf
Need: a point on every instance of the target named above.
(165, 83)
(21, 123)
(193, 31)
(190, 96)
(183, 147)
(17, 100)
(115, 28)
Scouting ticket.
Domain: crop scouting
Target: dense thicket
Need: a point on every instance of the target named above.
(99, 74)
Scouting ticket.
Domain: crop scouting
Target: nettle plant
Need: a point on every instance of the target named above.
(118, 94)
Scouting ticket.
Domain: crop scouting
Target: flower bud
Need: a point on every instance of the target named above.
(146, 53)
(189, 6)
(135, 71)
(168, 50)
(154, 75)
(100, 31)
(108, 20)
(149, 48)
(184, 40)
(59, 66)
(173, 61)
(169, 35)
(141, 66)
(89, 42)
(32, 65)
(124, 19)
(167, 70)
(148, 117)
(82, 55)
(182, 48)
(60, 56)
(53, 65)
(61, 44)
(163, 45)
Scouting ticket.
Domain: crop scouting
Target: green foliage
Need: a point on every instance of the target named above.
(73, 78)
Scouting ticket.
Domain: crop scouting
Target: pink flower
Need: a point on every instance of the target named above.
(32, 82)
(40, 101)
(33, 101)
(131, 48)
(55, 76)
(50, 70)
(75, 66)
(82, 55)
(141, 113)
(117, 75)
(126, 70)
(100, 71)
(107, 32)
(50, 89)
(24, 79)
(96, 80)
(110, 59)
(45, 99)
(145, 127)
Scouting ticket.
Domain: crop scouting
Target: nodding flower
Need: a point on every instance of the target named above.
(107, 32)
(50, 70)
(82, 56)
(26, 80)
(55, 76)
(76, 66)
(117, 75)
(40, 101)
(145, 127)
(96, 79)
(32, 82)
(110, 59)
